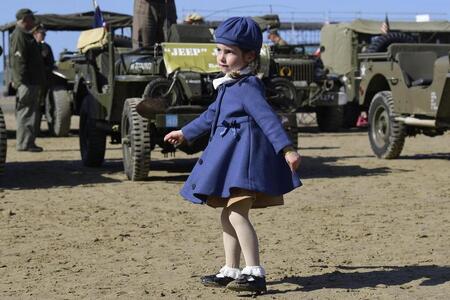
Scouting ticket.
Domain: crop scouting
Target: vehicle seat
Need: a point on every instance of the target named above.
(417, 67)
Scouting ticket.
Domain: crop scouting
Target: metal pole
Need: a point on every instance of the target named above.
(111, 59)
(4, 51)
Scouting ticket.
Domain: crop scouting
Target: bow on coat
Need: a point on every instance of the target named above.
(233, 126)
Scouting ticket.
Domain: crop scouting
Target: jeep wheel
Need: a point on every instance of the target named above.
(159, 87)
(58, 111)
(135, 142)
(351, 114)
(330, 118)
(3, 142)
(92, 139)
(281, 94)
(386, 135)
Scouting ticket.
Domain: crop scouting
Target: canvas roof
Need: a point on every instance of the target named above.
(338, 39)
(76, 21)
(374, 27)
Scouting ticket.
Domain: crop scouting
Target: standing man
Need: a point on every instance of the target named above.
(151, 20)
(28, 76)
(275, 37)
(39, 34)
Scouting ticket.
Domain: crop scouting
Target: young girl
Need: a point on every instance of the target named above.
(249, 161)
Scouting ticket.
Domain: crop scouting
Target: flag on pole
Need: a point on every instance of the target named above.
(98, 17)
(385, 27)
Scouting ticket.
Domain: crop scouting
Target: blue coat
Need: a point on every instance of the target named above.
(245, 146)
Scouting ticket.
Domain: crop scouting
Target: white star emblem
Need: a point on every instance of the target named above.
(363, 70)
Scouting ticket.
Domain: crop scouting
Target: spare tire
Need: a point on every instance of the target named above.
(382, 42)
(281, 94)
(58, 111)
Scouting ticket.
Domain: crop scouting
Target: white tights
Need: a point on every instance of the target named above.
(239, 234)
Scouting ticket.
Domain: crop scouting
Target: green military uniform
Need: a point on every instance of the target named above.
(28, 76)
(49, 65)
(150, 20)
(281, 42)
(275, 37)
(47, 56)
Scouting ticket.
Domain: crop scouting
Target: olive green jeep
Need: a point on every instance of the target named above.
(408, 88)
(137, 96)
(58, 105)
(342, 43)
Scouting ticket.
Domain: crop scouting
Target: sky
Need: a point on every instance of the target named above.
(288, 10)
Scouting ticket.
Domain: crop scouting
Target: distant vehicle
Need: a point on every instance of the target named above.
(58, 106)
(137, 96)
(342, 43)
(408, 88)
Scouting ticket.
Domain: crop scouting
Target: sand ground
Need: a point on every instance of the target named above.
(359, 228)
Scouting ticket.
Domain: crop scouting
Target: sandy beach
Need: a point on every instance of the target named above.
(359, 228)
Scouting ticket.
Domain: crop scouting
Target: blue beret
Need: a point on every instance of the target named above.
(239, 31)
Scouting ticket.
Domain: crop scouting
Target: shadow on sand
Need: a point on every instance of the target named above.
(58, 173)
(71, 173)
(358, 277)
(443, 156)
(326, 167)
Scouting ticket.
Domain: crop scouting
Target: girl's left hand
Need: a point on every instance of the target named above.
(293, 159)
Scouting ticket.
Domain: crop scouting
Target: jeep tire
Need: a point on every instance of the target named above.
(282, 94)
(135, 142)
(386, 135)
(330, 118)
(58, 111)
(92, 139)
(159, 87)
(382, 42)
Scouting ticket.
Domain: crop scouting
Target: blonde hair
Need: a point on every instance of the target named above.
(254, 65)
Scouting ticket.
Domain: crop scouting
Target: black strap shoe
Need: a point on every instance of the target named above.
(249, 283)
(32, 149)
(35, 149)
(214, 281)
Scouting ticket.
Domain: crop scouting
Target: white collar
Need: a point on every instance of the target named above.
(227, 78)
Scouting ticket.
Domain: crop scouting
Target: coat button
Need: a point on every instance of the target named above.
(193, 186)
(200, 161)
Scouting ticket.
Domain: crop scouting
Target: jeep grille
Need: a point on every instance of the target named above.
(296, 70)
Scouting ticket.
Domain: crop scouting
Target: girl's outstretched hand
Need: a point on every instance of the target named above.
(293, 159)
(175, 137)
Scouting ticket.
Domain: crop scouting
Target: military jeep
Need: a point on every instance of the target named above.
(137, 96)
(57, 108)
(408, 88)
(342, 43)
